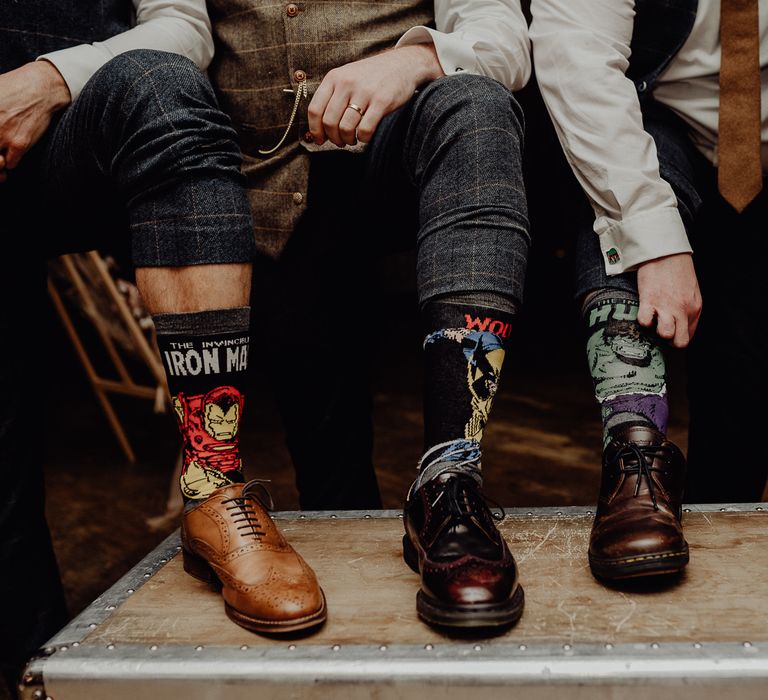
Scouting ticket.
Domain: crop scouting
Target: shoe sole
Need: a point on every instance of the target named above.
(200, 569)
(656, 564)
(278, 627)
(480, 615)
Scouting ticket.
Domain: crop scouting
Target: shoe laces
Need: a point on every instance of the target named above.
(458, 500)
(642, 465)
(241, 508)
(456, 456)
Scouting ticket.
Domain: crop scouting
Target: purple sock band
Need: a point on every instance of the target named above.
(651, 406)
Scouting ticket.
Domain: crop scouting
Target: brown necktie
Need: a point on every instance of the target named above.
(739, 176)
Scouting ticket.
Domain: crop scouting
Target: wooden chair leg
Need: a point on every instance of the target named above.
(93, 377)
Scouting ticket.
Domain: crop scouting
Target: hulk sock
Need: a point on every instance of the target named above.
(626, 364)
(205, 355)
(463, 355)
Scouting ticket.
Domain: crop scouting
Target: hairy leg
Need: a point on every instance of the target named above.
(194, 288)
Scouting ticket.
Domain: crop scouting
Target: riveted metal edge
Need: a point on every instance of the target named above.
(477, 661)
(70, 637)
(517, 512)
(108, 602)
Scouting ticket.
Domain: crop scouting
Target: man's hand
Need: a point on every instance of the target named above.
(669, 291)
(28, 98)
(377, 85)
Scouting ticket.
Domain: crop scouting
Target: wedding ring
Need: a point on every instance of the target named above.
(357, 109)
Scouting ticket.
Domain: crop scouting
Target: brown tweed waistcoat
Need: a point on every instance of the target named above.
(264, 49)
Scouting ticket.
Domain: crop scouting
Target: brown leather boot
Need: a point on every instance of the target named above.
(230, 540)
(637, 530)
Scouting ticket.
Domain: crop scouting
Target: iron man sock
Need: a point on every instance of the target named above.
(463, 355)
(205, 355)
(626, 363)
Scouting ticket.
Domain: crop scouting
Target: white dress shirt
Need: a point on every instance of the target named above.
(484, 37)
(581, 49)
(179, 26)
(690, 84)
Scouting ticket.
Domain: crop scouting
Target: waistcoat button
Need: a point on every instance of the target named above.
(298, 197)
(292, 10)
(299, 75)
(308, 137)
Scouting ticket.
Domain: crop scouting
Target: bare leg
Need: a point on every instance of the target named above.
(194, 288)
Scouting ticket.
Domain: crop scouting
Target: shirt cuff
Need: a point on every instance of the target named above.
(629, 243)
(456, 55)
(76, 65)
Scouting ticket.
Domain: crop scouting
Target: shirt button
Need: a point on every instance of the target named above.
(298, 197)
(308, 137)
(299, 75)
(292, 10)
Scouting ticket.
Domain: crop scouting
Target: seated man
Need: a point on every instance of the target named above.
(441, 169)
(92, 150)
(664, 136)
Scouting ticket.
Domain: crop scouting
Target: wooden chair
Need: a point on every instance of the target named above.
(83, 282)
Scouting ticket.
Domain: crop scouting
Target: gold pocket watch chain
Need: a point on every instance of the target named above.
(301, 91)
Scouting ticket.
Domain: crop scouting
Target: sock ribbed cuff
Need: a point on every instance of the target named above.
(212, 322)
(607, 294)
(486, 300)
(443, 316)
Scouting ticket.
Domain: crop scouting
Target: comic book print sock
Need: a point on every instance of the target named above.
(463, 354)
(626, 363)
(205, 355)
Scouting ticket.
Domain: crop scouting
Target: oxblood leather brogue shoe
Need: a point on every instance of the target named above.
(468, 575)
(230, 540)
(637, 529)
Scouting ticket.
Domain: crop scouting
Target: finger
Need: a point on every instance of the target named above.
(349, 121)
(337, 105)
(2, 162)
(682, 336)
(316, 110)
(665, 325)
(370, 121)
(645, 313)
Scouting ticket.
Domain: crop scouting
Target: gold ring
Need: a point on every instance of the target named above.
(357, 109)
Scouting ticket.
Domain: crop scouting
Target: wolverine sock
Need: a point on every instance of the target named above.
(626, 364)
(463, 356)
(205, 355)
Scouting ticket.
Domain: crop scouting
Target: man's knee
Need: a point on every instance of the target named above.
(475, 100)
(130, 66)
(158, 103)
(146, 77)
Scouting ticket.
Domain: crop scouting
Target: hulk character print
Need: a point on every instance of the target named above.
(627, 367)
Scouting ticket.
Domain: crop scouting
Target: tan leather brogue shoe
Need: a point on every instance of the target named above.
(637, 529)
(230, 540)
